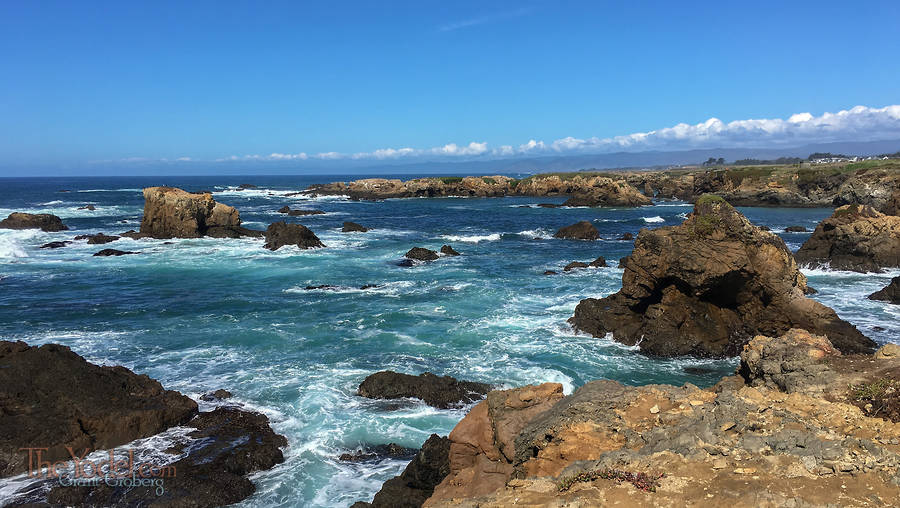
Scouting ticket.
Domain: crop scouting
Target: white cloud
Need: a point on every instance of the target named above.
(860, 123)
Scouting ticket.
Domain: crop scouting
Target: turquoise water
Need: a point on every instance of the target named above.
(204, 314)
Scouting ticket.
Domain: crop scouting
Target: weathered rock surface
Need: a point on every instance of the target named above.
(857, 238)
(113, 252)
(52, 398)
(280, 234)
(889, 293)
(97, 239)
(448, 251)
(43, 221)
(609, 192)
(706, 287)
(421, 254)
(417, 482)
(174, 213)
(438, 391)
(350, 227)
(227, 445)
(583, 230)
(742, 443)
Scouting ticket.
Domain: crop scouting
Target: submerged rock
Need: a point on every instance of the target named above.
(583, 230)
(55, 245)
(706, 287)
(99, 238)
(573, 265)
(217, 395)
(353, 227)
(174, 213)
(378, 452)
(113, 252)
(416, 484)
(856, 238)
(44, 221)
(795, 229)
(280, 234)
(448, 251)
(441, 392)
(889, 293)
(52, 398)
(421, 254)
(88, 207)
(626, 236)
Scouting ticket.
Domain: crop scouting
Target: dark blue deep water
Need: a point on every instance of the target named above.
(204, 314)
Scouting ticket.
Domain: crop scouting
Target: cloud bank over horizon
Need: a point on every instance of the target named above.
(860, 123)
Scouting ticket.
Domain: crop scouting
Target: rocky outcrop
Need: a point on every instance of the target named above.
(421, 254)
(299, 213)
(280, 234)
(448, 251)
(441, 392)
(795, 229)
(174, 213)
(110, 407)
(608, 192)
(856, 238)
(377, 452)
(583, 230)
(706, 287)
(97, 239)
(417, 482)
(889, 293)
(227, 445)
(350, 227)
(55, 245)
(381, 188)
(742, 443)
(43, 221)
(218, 395)
(113, 252)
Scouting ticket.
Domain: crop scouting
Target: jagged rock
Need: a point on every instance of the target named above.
(549, 272)
(609, 192)
(44, 221)
(416, 484)
(280, 234)
(856, 238)
(353, 227)
(228, 445)
(790, 363)
(52, 398)
(302, 213)
(421, 254)
(583, 230)
(889, 293)
(284, 209)
(546, 205)
(795, 229)
(113, 252)
(99, 238)
(573, 265)
(174, 213)
(55, 245)
(448, 251)
(217, 395)
(88, 207)
(600, 262)
(706, 287)
(892, 205)
(626, 236)
(438, 391)
(246, 186)
(482, 445)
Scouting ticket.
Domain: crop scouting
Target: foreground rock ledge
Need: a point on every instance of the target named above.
(745, 442)
(706, 287)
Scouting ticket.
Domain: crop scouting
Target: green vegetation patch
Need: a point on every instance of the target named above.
(708, 199)
(738, 175)
(879, 398)
(704, 225)
(450, 179)
(642, 481)
(850, 210)
(488, 180)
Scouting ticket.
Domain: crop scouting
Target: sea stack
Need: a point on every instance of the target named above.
(170, 212)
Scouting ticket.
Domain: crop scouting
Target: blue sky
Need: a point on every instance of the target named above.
(116, 81)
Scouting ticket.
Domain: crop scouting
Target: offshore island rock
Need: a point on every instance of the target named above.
(442, 392)
(44, 221)
(170, 212)
(856, 238)
(706, 287)
(583, 230)
(280, 234)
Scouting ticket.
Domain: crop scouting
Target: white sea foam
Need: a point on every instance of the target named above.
(656, 218)
(472, 238)
(536, 233)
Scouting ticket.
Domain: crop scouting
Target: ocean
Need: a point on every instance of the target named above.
(204, 314)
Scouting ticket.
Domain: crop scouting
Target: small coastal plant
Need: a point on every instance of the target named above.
(641, 480)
